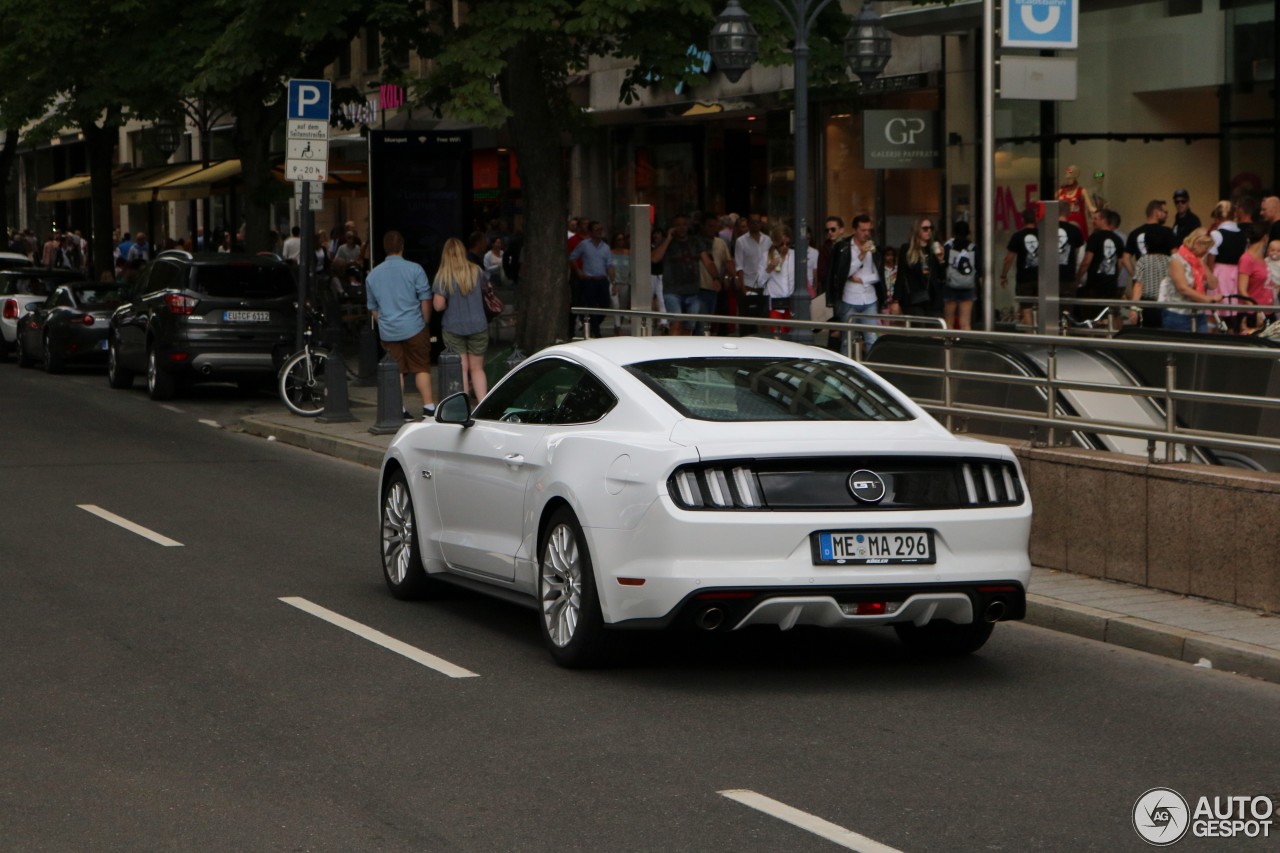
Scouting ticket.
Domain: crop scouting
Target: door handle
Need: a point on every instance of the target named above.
(515, 460)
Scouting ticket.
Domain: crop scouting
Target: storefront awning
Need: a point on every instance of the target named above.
(69, 190)
(937, 19)
(141, 186)
(200, 183)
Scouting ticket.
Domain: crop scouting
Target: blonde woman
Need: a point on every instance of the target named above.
(918, 289)
(459, 297)
(778, 274)
(1189, 281)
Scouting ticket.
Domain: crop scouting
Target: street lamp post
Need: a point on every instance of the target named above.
(734, 45)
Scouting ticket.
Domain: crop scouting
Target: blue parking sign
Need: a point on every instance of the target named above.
(1046, 24)
(309, 99)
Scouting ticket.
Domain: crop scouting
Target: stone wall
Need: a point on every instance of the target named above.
(1198, 530)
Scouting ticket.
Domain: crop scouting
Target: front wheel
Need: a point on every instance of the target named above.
(301, 383)
(944, 639)
(401, 555)
(572, 623)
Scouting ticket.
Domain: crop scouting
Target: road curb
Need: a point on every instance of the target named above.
(1154, 638)
(297, 436)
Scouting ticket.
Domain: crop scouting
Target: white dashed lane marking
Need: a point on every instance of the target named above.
(414, 654)
(846, 838)
(130, 526)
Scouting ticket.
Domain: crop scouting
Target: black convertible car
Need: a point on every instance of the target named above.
(69, 326)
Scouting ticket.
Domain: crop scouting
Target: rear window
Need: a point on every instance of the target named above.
(100, 298)
(25, 284)
(769, 389)
(245, 280)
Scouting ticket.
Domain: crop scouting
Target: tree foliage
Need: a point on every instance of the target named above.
(509, 63)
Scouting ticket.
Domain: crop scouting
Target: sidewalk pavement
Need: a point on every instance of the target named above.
(1200, 632)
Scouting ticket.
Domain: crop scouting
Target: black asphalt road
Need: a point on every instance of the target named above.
(157, 698)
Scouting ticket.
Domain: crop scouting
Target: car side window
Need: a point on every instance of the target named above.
(588, 401)
(534, 395)
(161, 276)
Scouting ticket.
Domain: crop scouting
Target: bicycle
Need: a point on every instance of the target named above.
(302, 376)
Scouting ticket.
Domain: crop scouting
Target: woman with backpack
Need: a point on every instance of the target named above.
(961, 257)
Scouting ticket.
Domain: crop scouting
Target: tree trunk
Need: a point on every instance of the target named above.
(100, 146)
(7, 157)
(255, 124)
(535, 127)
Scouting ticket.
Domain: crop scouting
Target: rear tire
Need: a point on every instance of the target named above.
(571, 622)
(944, 639)
(301, 395)
(160, 383)
(20, 352)
(401, 556)
(53, 362)
(117, 376)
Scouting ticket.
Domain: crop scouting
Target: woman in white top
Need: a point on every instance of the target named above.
(493, 261)
(778, 274)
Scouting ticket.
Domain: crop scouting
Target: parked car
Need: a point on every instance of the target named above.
(14, 261)
(712, 484)
(204, 317)
(23, 287)
(70, 326)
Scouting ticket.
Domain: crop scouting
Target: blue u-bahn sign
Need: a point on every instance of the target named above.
(1045, 24)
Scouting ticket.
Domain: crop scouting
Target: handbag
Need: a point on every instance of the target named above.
(492, 301)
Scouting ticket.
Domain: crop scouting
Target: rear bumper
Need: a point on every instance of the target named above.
(731, 609)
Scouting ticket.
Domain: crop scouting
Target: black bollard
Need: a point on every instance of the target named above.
(337, 406)
(390, 398)
(449, 366)
(368, 373)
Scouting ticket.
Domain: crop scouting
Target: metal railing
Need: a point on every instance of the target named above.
(1201, 312)
(1168, 396)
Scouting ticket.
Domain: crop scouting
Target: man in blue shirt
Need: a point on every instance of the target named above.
(399, 299)
(596, 273)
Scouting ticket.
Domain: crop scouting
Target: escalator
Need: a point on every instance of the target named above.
(1118, 368)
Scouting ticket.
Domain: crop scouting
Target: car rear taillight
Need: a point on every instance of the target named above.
(716, 487)
(179, 304)
(87, 319)
(11, 309)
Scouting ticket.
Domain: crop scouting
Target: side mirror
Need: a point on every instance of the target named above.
(455, 409)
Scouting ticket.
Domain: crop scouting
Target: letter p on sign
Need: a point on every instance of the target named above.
(309, 99)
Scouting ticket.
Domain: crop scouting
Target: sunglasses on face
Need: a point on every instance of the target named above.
(926, 227)
(832, 230)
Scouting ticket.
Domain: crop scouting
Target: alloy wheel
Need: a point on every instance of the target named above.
(561, 584)
(397, 533)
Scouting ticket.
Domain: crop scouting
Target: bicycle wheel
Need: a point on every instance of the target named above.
(301, 383)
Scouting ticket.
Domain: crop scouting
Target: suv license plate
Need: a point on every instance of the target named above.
(246, 316)
(872, 548)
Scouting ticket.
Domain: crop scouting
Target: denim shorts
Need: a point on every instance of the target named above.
(959, 294)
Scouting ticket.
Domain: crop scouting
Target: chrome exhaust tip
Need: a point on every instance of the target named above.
(710, 619)
(995, 611)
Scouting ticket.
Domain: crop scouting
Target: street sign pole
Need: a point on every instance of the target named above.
(304, 268)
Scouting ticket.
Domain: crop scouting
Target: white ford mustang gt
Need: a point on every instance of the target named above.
(709, 483)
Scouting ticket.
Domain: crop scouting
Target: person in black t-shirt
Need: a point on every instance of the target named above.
(1024, 250)
(1099, 273)
(1152, 237)
(1070, 239)
(1184, 222)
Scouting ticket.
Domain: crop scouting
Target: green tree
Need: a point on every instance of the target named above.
(260, 46)
(91, 65)
(508, 62)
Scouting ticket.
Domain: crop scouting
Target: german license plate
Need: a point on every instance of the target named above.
(246, 316)
(872, 548)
